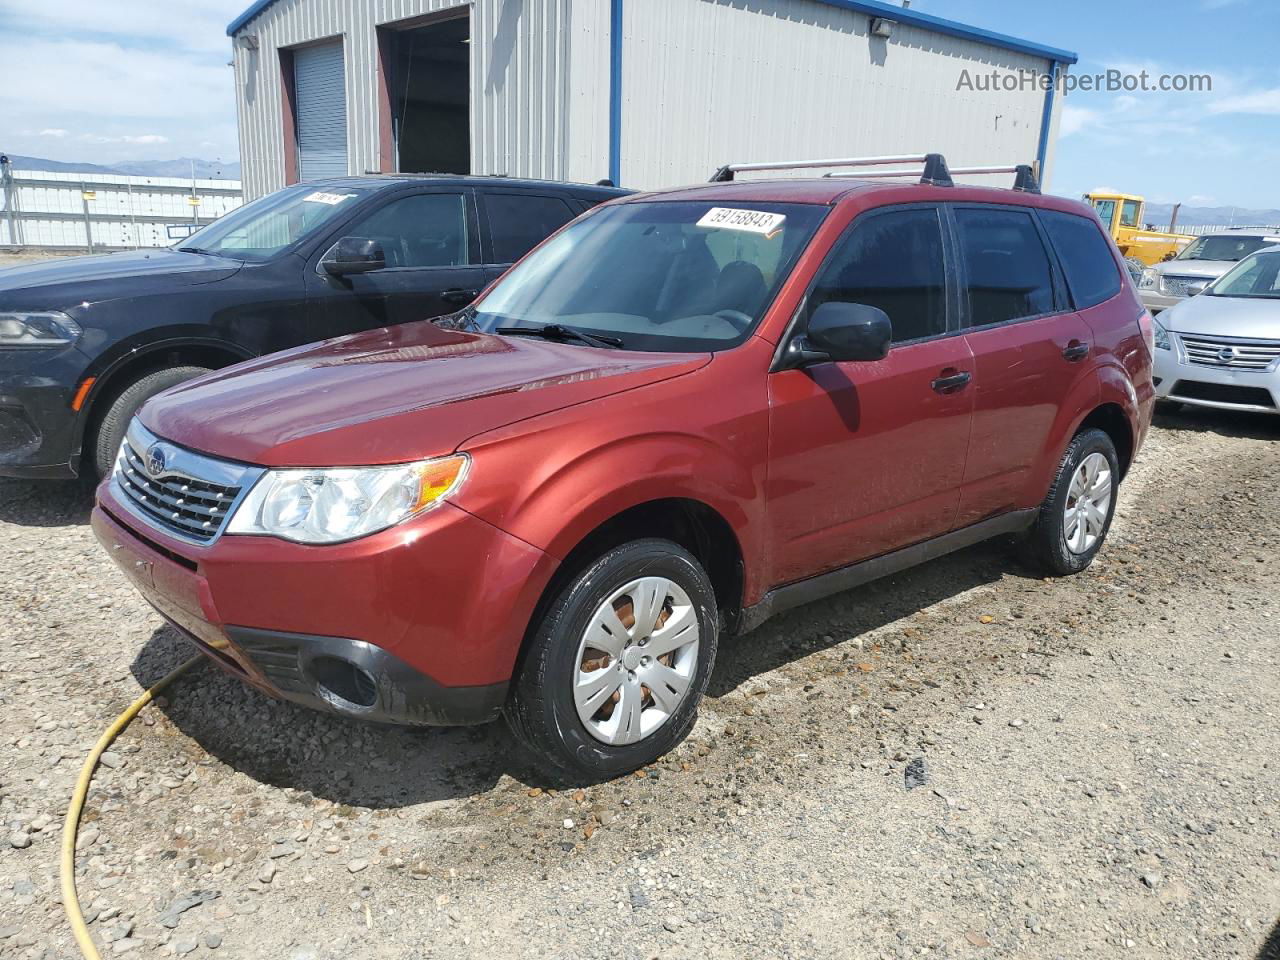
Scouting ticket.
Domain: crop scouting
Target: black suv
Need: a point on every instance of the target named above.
(84, 342)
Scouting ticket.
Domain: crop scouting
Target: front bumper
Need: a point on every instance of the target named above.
(1155, 301)
(1223, 388)
(37, 424)
(420, 624)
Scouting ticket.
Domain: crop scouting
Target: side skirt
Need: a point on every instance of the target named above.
(855, 575)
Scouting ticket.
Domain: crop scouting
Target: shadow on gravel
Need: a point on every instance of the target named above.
(371, 765)
(44, 503)
(1271, 949)
(826, 623)
(1225, 423)
(345, 761)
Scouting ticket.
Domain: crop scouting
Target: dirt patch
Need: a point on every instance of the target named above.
(962, 760)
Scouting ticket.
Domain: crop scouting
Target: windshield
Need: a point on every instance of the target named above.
(1106, 210)
(261, 229)
(1219, 247)
(1255, 276)
(665, 276)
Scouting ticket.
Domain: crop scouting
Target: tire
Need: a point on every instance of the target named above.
(108, 431)
(1054, 544)
(543, 712)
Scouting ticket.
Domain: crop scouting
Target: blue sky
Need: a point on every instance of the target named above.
(1218, 148)
(147, 79)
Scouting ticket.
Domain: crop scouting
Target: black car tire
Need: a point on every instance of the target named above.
(1045, 546)
(541, 710)
(108, 431)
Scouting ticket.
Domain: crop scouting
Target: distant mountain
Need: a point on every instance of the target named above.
(1159, 213)
(205, 169)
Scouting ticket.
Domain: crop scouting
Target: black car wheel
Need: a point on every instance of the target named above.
(617, 664)
(104, 439)
(1076, 515)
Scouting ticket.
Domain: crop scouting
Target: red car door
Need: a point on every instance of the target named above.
(1029, 351)
(868, 457)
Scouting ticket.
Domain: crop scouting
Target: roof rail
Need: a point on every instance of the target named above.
(935, 166)
(1024, 175)
(933, 169)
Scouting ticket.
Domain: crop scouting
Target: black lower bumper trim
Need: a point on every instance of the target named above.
(361, 680)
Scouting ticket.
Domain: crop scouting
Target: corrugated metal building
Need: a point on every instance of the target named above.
(651, 93)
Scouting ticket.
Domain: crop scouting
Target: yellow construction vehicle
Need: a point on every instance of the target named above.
(1121, 214)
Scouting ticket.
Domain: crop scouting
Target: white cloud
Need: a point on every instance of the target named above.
(192, 26)
(1075, 119)
(1256, 101)
(53, 132)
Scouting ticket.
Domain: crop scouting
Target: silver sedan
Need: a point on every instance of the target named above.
(1221, 347)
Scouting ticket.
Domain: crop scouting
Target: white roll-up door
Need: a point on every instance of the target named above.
(321, 100)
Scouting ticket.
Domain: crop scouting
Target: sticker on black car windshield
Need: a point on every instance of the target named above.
(751, 221)
(330, 198)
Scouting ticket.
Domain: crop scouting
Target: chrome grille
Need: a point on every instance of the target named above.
(181, 492)
(1233, 352)
(1177, 286)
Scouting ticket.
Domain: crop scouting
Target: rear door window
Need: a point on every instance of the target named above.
(518, 222)
(1006, 267)
(1092, 275)
(892, 260)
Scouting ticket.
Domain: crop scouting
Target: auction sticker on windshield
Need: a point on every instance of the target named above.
(752, 221)
(330, 198)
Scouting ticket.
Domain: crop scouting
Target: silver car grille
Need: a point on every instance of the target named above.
(183, 493)
(1233, 352)
(1177, 286)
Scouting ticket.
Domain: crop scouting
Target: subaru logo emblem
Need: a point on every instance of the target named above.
(155, 459)
(1226, 354)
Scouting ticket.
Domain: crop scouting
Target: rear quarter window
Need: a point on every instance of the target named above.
(1092, 274)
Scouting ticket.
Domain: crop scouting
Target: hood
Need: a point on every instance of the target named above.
(57, 284)
(392, 395)
(1209, 269)
(1249, 317)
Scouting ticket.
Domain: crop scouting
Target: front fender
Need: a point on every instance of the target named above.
(554, 502)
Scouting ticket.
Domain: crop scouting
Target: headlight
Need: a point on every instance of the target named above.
(317, 505)
(1150, 279)
(50, 329)
(1162, 336)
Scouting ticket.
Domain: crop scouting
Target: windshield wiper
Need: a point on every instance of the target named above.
(194, 250)
(558, 331)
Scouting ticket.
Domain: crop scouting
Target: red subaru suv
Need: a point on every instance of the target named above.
(684, 412)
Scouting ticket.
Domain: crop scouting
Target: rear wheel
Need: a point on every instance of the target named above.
(1076, 515)
(618, 664)
(108, 432)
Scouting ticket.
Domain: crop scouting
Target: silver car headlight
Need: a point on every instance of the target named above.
(330, 505)
(1150, 279)
(1162, 341)
(46, 329)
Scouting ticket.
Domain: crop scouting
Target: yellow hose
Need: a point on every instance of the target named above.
(71, 902)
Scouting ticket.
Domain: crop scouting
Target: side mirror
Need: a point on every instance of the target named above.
(849, 331)
(1195, 289)
(353, 255)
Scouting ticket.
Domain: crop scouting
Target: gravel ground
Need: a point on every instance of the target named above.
(962, 761)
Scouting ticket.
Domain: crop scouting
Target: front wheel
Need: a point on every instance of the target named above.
(108, 433)
(1076, 515)
(618, 663)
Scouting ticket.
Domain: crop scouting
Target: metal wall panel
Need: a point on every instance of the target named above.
(519, 70)
(321, 95)
(707, 82)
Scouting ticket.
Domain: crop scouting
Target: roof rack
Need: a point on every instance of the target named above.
(933, 169)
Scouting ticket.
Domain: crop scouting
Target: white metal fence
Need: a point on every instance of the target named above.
(40, 208)
(1200, 230)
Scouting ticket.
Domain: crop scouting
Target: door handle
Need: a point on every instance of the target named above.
(1075, 351)
(952, 382)
(458, 295)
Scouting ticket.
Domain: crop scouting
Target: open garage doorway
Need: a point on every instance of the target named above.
(426, 95)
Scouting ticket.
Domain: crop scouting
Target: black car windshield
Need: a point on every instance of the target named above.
(1255, 276)
(664, 275)
(261, 229)
(1221, 247)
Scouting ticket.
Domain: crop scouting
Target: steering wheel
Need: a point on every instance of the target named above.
(735, 317)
